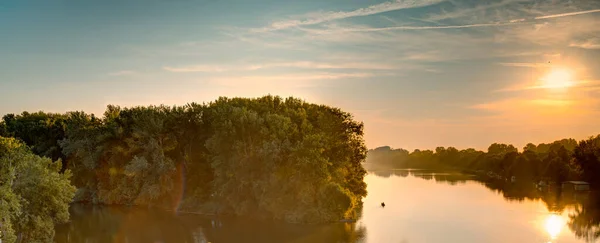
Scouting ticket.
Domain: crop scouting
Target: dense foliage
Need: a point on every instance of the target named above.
(269, 157)
(557, 161)
(34, 196)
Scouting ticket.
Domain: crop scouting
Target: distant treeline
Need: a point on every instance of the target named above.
(269, 157)
(558, 161)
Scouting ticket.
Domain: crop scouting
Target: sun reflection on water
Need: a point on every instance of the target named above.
(554, 224)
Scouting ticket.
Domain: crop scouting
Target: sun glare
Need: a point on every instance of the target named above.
(553, 225)
(557, 79)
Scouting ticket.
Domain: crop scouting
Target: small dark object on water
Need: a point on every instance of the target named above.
(383, 204)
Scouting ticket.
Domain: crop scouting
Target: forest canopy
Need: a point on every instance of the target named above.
(266, 157)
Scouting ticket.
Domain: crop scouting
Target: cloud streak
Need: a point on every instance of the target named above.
(526, 64)
(592, 44)
(469, 11)
(428, 27)
(122, 73)
(250, 80)
(299, 64)
(578, 85)
(479, 25)
(321, 17)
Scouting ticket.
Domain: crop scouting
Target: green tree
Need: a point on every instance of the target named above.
(530, 147)
(501, 149)
(285, 162)
(40, 131)
(34, 195)
(264, 157)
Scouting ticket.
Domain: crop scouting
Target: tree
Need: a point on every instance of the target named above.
(40, 131)
(587, 158)
(300, 162)
(35, 195)
(501, 149)
(3, 129)
(261, 157)
(530, 147)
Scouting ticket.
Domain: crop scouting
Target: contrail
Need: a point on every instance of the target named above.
(567, 14)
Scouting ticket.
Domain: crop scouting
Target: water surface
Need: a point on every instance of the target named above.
(420, 207)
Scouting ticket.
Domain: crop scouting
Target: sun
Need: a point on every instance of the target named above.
(557, 79)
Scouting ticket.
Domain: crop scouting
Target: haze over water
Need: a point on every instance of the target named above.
(420, 207)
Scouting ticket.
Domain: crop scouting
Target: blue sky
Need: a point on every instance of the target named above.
(419, 73)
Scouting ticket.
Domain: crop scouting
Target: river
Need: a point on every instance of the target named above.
(420, 207)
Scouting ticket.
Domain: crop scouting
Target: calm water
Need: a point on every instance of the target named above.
(420, 207)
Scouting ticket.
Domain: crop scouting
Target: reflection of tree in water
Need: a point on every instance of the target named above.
(513, 191)
(401, 173)
(94, 224)
(452, 179)
(119, 224)
(555, 199)
(425, 176)
(585, 220)
(241, 230)
(445, 177)
(89, 222)
(346, 233)
(383, 173)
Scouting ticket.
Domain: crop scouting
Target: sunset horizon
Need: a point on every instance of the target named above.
(419, 74)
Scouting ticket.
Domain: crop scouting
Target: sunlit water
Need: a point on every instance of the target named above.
(418, 209)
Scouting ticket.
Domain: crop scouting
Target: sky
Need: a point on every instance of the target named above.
(418, 73)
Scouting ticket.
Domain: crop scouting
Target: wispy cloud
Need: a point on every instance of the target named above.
(123, 73)
(581, 86)
(196, 68)
(526, 64)
(514, 103)
(542, 108)
(468, 11)
(428, 27)
(250, 80)
(320, 17)
(493, 33)
(477, 25)
(391, 20)
(298, 84)
(299, 64)
(593, 43)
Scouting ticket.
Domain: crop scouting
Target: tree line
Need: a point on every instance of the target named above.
(267, 157)
(559, 161)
